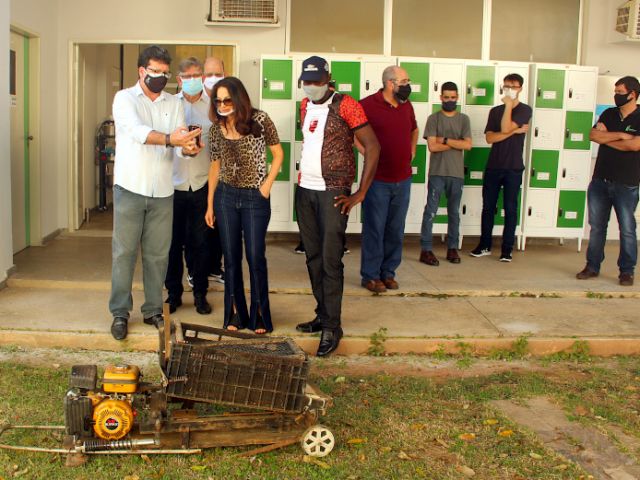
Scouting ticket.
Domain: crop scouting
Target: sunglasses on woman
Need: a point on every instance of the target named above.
(227, 102)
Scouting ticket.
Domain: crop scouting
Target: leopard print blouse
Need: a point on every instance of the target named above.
(243, 161)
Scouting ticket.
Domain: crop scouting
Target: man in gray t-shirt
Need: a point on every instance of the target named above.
(448, 133)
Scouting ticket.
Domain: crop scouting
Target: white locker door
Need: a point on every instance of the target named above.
(297, 71)
(478, 115)
(282, 113)
(446, 72)
(371, 80)
(471, 207)
(546, 129)
(540, 209)
(504, 70)
(416, 207)
(580, 90)
(575, 170)
(281, 209)
(422, 112)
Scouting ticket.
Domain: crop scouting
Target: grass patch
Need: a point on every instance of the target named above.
(519, 350)
(377, 339)
(579, 352)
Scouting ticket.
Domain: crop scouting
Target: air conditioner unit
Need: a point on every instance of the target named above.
(628, 20)
(244, 12)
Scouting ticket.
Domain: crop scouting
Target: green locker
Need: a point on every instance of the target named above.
(283, 176)
(480, 85)
(550, 88)
(438, 106)
(544, 168)
(299, 136)
(577, 128)
(442, 219)
(419, 75)
(347, 77)
(475, 161)
(420, 163)
(498, 219)
(276, 79)
(571, 209)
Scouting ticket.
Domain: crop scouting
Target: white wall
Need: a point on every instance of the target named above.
(6, 249)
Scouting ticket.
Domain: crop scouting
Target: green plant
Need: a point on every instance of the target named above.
(519, 350)
(465, 355)
(377, 340)
(579, 352)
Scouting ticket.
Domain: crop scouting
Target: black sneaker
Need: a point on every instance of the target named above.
(217, 277)
(299, 249)
(506, 257)
(346, 250)
(190, 280)
(480, 251)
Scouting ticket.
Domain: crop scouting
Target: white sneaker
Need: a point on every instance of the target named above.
(480, 252)
(217, 277)
(190, 280)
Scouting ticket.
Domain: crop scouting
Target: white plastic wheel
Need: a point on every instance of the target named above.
(318, 441)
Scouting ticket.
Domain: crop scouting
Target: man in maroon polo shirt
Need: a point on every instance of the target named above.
(391, 115)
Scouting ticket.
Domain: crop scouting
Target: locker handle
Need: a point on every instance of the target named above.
(529, 211)
(464, 209)
(501, 89)
(566, 133)
(466, 170)
(571, 93)
(435, 86)
(469, 89)
(298, 126)
(564, 173)
(536, 131)
(539, 91)
(533, 173)
(297, 165)
(559, 213)
(299, 84)
(265, 81)
(367, 85)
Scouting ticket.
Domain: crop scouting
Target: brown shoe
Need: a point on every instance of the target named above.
(375, 286)
(626, 279)
(391, 283)
(452, 255)
(586, 273)
(427, 256)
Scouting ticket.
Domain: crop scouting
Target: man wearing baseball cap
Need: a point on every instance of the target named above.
(329, 122)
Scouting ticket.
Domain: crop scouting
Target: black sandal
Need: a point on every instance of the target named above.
(260, 326)
(235, 321)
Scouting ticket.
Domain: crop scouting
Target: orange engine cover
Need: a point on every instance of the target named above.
(113, 419)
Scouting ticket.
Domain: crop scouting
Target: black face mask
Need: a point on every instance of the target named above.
(621, 99)
(155, 84)
(449, 106)
(403, 93)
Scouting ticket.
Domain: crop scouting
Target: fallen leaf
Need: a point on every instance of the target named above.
(561, 467)
(581, 410)
(535, 455)
(315, 461)
(356, 441)
(467, 436)
(465, 406)
(131, 477)
(385, 449)
(631, 388)
(145, 458)
(417, 426)
(20, 473)
(505, 433)
(198, 468)
(442, 442)
(466, 471)
(403, 456)
(599, 417)
(490, 421)
(55, 365)
(340, 379)
(362, 457)
(365, 402)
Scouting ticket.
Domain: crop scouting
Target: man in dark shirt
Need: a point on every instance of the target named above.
(384, 209)
(505, 131)
(615, 181)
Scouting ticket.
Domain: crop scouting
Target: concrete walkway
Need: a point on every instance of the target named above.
(58, 297)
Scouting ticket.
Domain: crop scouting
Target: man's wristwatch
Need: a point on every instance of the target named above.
(167, 140)
(445, 140)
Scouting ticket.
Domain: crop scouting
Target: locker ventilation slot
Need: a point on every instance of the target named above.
(244, 11)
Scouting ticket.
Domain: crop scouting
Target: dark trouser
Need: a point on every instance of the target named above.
(244, 212)
(142, 223)
(509, 181)
(189, 233)
(602, 195)
(214, 250)
(322, 229)
(384, 212)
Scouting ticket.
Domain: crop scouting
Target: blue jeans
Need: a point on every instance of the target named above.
(601, 196)
(452, 188)
(244, 213)
(383, 218)
(143, 223)
(509, 181)
(322, 230)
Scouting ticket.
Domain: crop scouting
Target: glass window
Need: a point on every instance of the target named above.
(434, 28)
(540, 31)
(354, 26)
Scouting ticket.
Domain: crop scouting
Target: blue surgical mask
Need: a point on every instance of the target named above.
(192, 86)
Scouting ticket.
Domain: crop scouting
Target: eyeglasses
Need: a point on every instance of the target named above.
(404, 81)
(155, 73)
(227, 102)
(513, 87)
(220, 75)
(185, 76)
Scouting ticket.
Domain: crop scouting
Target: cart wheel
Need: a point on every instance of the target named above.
(317, 441)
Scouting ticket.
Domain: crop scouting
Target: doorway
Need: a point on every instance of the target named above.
(100, 70)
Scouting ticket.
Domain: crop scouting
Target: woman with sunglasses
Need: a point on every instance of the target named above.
(239, 188)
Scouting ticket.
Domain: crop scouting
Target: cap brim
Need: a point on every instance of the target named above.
(313, 76)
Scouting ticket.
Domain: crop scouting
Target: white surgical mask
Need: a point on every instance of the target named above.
(225, 114)
(510, 92)
(315, 92)
(210, 82)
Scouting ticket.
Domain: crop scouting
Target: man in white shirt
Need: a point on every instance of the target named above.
(213, 73)
(190, 181)
(148, 122)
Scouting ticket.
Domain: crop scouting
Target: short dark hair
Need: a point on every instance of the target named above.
(154, 52)
(245, 124)
(514, 77)
(631, 84)
(450, 86)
